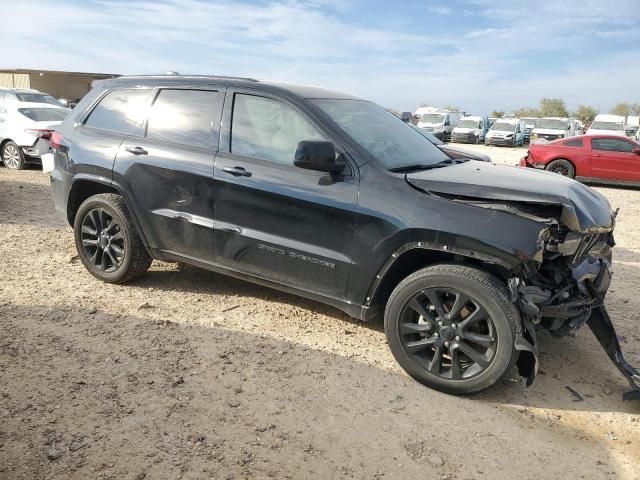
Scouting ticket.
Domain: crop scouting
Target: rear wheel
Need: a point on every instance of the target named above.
(107, 240)
(12, 156)
(452, 328)
(562, 167)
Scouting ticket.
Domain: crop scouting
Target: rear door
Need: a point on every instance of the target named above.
(168, 170)
(274, 220)
(613, 159)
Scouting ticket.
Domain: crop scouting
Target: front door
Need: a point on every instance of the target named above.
(168, 171)
(613, 159)
(274, 220)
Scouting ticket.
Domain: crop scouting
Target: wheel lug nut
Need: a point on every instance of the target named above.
(436, 335)
(446, 344)
(457, 338)
(453, 325)
(440, 323)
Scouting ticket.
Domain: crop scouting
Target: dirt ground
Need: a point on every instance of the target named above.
(195, 375)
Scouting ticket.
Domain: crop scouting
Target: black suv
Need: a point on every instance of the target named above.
(332, 197)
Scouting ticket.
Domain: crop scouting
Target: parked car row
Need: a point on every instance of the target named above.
(27, 119)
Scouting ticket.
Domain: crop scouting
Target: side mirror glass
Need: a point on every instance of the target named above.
(636, 150)
(317, 155)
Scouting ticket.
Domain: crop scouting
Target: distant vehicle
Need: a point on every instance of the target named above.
(453, 151)
(471, 129)
(529, 125)
(492, 120)
(406, 117)
(438, 121)
(632, 125)
(608, 159)
(508, 132)
(605, 124)
(27, 118)
(553, 128)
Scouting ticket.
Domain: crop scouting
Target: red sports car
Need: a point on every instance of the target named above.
(607, 159)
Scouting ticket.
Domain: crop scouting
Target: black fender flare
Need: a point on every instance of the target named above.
(87, 177)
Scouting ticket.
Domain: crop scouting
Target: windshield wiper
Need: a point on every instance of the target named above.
(421, 166)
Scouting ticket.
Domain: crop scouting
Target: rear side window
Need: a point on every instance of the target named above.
(190, 117)
(611, 145)
(121, 111)
(573, 143)
(268, 129)
(44, 114)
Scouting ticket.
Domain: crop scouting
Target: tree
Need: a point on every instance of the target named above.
(625, 109)
(452, 108)
(497, 113)
(526, 112)
(585, 114)
(553, 107)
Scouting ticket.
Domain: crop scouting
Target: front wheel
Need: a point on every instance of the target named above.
(107, 241)
(452, 328)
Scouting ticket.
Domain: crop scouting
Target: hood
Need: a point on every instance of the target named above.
(465, 129)
(500, 133)
(549, 131)
(583, 209)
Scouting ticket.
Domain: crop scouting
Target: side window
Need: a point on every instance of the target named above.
(268, 129)
(121, 111)
(190, 117)
(574, 143)
(611, 145)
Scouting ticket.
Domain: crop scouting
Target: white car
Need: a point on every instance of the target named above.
(27, 118)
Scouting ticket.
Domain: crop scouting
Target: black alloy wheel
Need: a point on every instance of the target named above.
(447, 333)
(102, 240)
(562, 167)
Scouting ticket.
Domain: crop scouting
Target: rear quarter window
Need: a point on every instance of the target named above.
(44, 114)
(574, 143)
(121, 111)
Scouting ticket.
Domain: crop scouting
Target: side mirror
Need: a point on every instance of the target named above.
(636, 151)
(317, 155)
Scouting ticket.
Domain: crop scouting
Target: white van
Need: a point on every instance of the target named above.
(471, 129)
(631, 128)
(529, 125)
(553, 128)
(438, 121)
(506, 132)
(605, 124)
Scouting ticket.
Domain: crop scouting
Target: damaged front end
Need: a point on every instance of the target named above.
(565, 289)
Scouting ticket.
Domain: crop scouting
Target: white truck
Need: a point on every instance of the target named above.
(507, 132)
(631, 128)
(470, 129)
(438, 121)
(605, 124)
(553, 128)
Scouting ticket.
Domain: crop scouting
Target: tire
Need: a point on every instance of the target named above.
(477, 139)
(12, 156)
(116, 255)
(562, 167)
(487, 298)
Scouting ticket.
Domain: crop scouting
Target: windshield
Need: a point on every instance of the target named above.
(432, 118)
(38, 98)
(530, 121)
(386, 138)
(615, 126)
(503, 126)
(552, 123)
(469, 124)
(45, 114)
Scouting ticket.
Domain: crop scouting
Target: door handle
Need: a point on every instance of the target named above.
(136, 150)
(236, 171)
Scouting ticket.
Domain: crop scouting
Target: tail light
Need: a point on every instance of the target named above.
(40, 133)
(56, 140)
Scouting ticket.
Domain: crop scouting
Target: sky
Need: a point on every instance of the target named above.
(479, 55)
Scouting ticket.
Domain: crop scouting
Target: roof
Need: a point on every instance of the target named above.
(304, 91)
